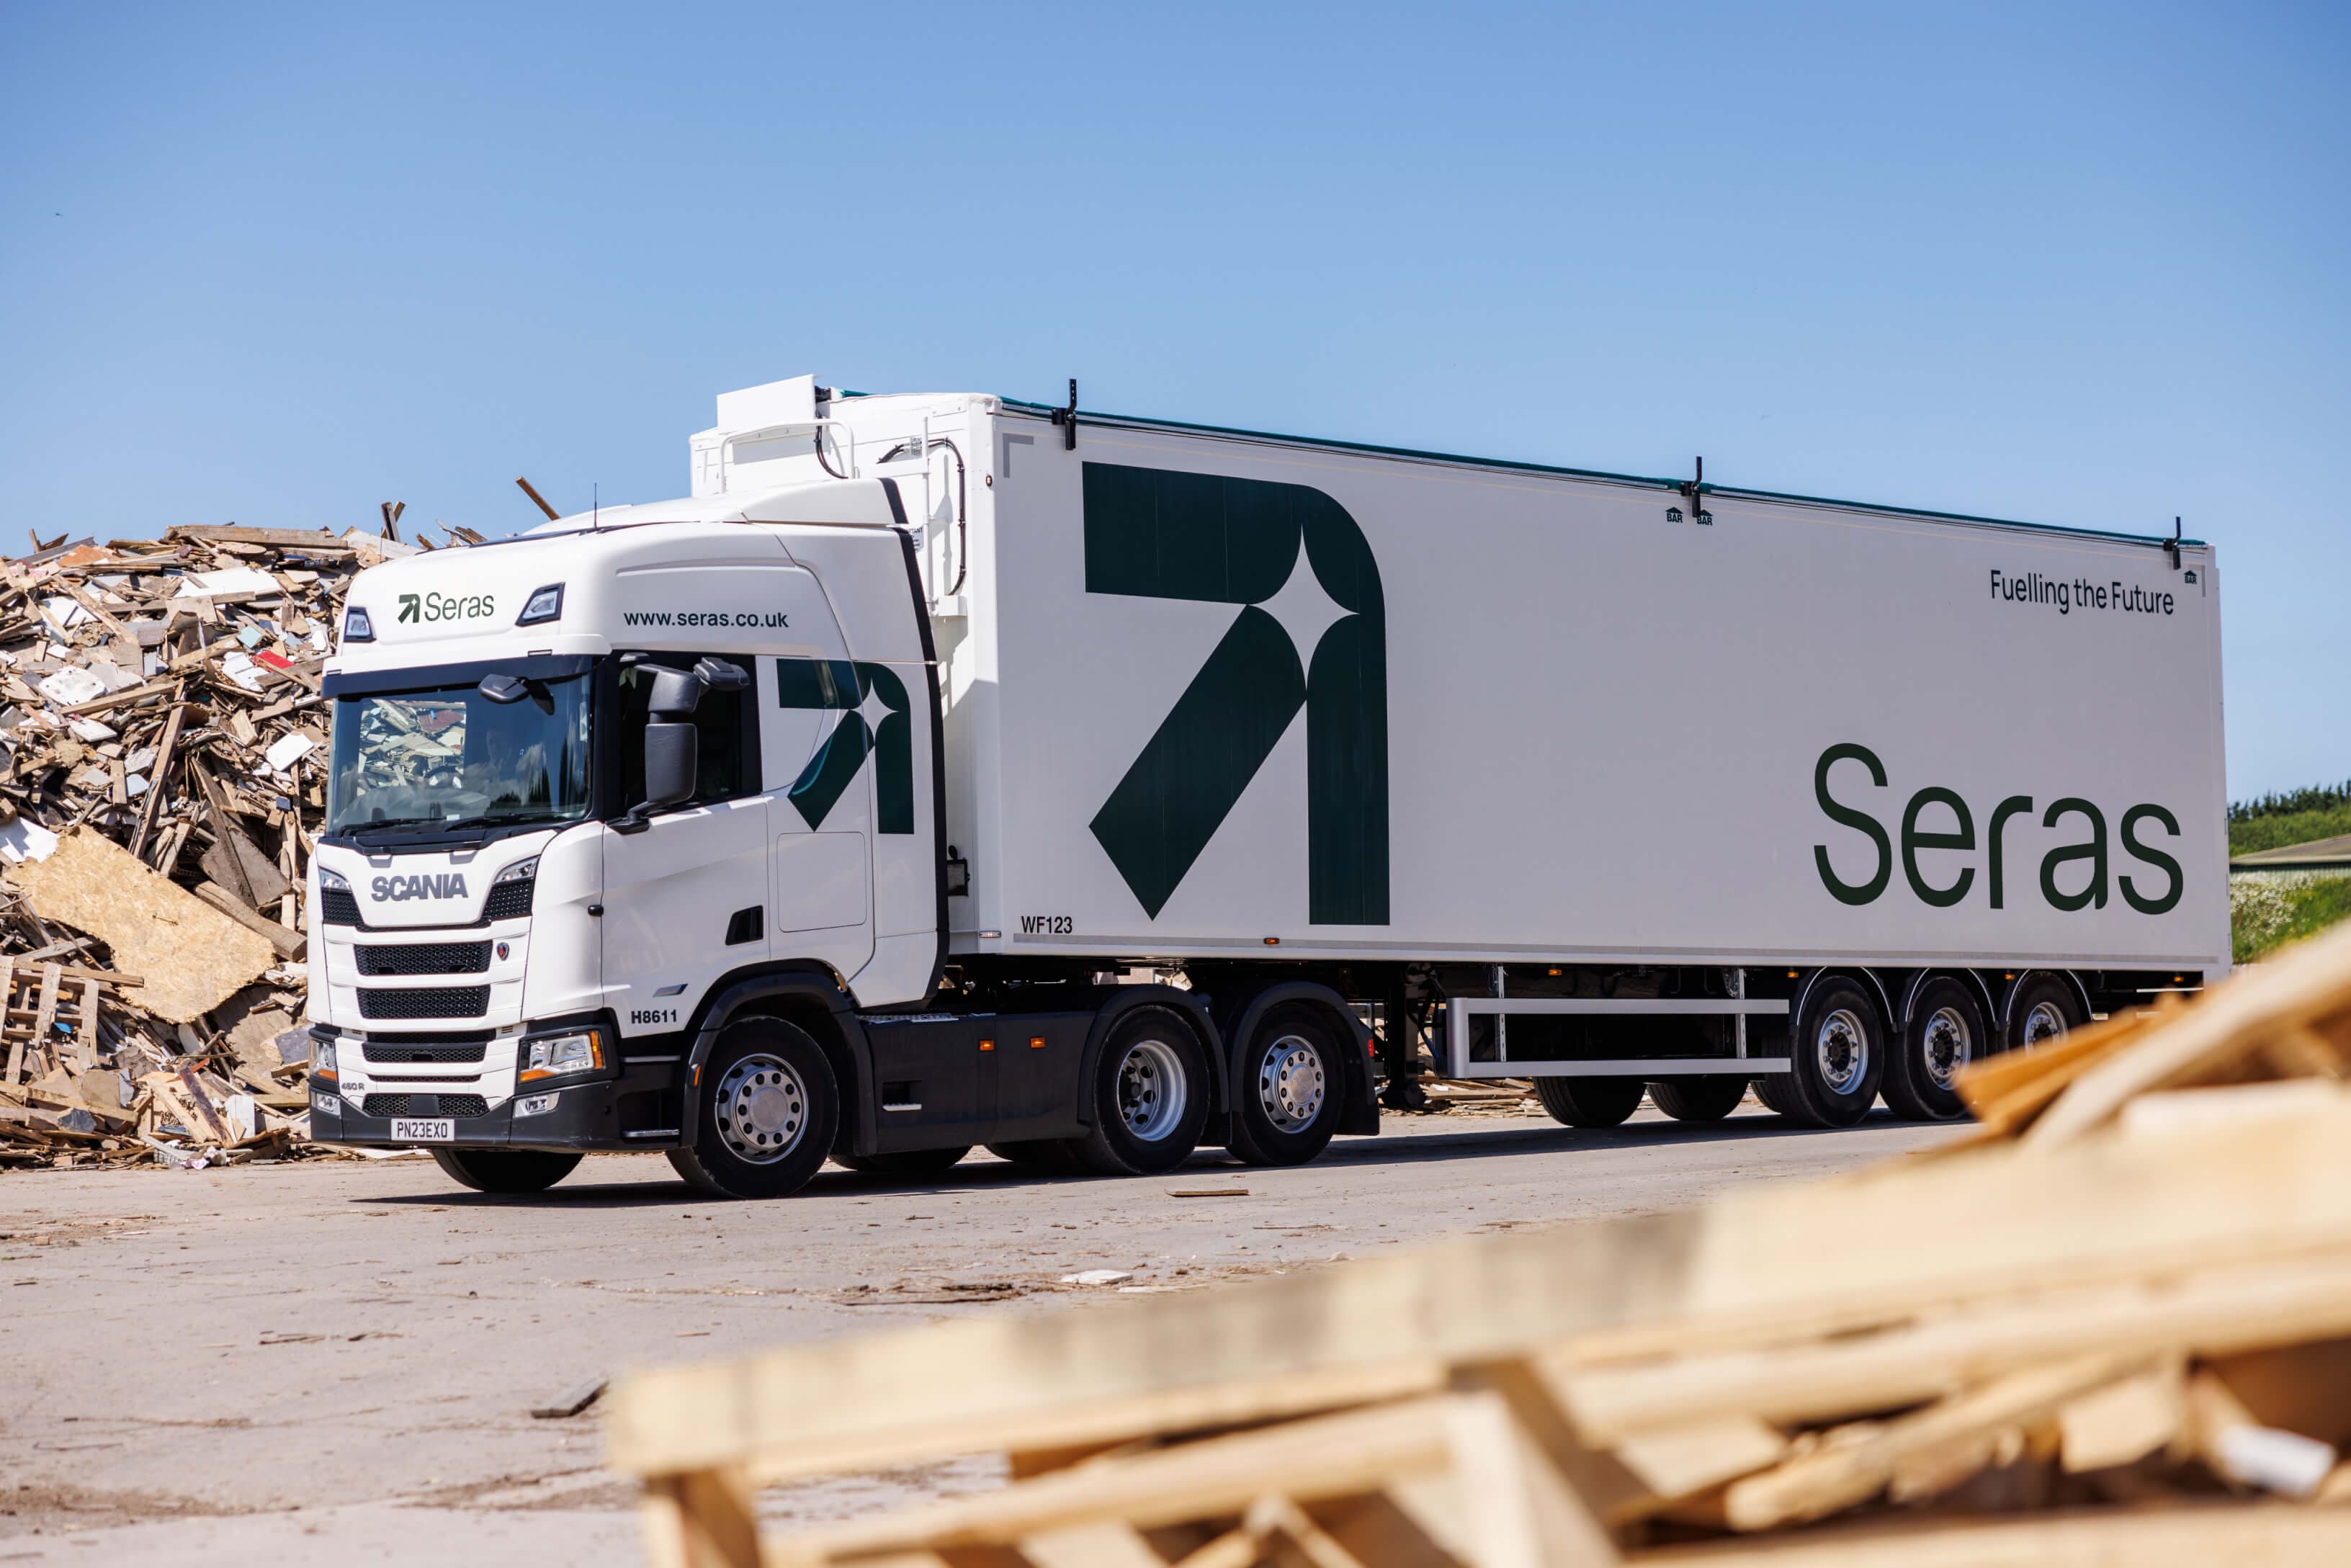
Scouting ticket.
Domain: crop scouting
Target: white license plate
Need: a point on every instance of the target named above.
(430, 1129)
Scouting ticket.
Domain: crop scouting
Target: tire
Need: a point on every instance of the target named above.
(1590, 1102)
(1051, 1154)
(1945, 1032)
(1151, 1096)
(2045, 1007)
(1773, 1092)
(768, 1107)
(1699, 1097)
(504, 1170)
(1290, 1088)
(1837, 1057)
(907, 1165)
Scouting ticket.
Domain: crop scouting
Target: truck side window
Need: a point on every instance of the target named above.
(727, 727)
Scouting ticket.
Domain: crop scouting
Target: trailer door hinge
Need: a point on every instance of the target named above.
(1067, 418)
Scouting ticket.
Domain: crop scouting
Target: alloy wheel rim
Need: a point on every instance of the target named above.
(1841, 1051)
(1290, 1083)
(2044, 1022)
(1152, 1092)
(761, 1109)
(1948, 1046)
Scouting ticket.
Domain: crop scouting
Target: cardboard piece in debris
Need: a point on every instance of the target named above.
(193, 957)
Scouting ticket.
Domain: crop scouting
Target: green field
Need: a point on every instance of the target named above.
(2265, 913)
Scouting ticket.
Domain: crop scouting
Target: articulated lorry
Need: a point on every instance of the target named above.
(950, 771)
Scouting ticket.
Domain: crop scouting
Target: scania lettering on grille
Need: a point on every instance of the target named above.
(399, 888)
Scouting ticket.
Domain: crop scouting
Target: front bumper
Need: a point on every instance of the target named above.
(614, 1113)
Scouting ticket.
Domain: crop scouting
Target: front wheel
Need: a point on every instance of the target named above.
(1590, 1102)
(504, 1170)
(1291, 1086)
(768, 1105)
(1151, 1096)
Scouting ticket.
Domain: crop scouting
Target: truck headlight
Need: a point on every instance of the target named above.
(332, 881)
(322, 1060)
(560, 1053)
(521, 870)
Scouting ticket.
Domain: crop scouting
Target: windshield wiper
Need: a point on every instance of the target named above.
(501, 819)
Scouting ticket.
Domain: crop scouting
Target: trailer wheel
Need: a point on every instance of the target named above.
(1151, 1096)
(769, 1108)
(1590, 1102)
(504, 1170)
(1290, 1088)
(1946, 1033)
(905, 1164)
(2044, 1008)
(1838, 1057)
(1697, 1096)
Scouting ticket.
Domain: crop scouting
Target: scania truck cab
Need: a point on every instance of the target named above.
(635, 841)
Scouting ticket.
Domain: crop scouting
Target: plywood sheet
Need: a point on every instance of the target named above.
(191, 956)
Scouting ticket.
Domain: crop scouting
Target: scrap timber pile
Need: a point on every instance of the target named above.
(2114, 1329)
(161, 772)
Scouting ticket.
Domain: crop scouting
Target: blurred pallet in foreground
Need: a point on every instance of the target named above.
(2123, 1336)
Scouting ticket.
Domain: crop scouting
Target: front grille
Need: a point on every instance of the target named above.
(426, 958)
(338, 906)
(431, 1002)
(425, 1105)
(384, 1052)
(509, 900)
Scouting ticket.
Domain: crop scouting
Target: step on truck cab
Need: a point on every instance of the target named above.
(946, 771)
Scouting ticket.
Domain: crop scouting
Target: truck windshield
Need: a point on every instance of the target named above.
(450, 757)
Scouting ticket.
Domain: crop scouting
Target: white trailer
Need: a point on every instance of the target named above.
(1089, 787)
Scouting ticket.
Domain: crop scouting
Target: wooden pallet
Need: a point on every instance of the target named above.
(2047, 1352)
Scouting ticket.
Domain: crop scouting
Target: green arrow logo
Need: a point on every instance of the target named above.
(1155, 533)
(844, 685)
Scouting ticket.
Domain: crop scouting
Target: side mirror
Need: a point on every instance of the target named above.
(669, 764)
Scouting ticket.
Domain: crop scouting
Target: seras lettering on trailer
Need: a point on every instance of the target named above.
(1952, 828)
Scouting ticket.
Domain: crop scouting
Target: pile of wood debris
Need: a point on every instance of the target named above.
(161, 772)
(2117, 1328)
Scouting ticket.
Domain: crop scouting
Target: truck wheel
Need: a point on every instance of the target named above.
(1291, 1084)
(1697, 1097)
(905, 1164)
(1151, 1096)
(1590, 1102)
(1773, 1091)
(1946, 1033)
(768, 1111)
(1838, 1052)
(2044, 1009)
(504, 1170)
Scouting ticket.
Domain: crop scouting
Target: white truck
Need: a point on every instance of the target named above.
(949, 770)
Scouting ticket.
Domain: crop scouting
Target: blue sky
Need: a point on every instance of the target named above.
(2070, 264)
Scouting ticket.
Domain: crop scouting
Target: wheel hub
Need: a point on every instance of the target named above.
(761, 1109)
(1948, 1046)
(1152, 1092)
(2044, 1022)
(1841, 1049)
(1290, 1084)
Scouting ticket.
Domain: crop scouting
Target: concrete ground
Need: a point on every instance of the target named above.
(259, 1363)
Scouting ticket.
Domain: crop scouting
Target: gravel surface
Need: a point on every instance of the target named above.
(251, 1363)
